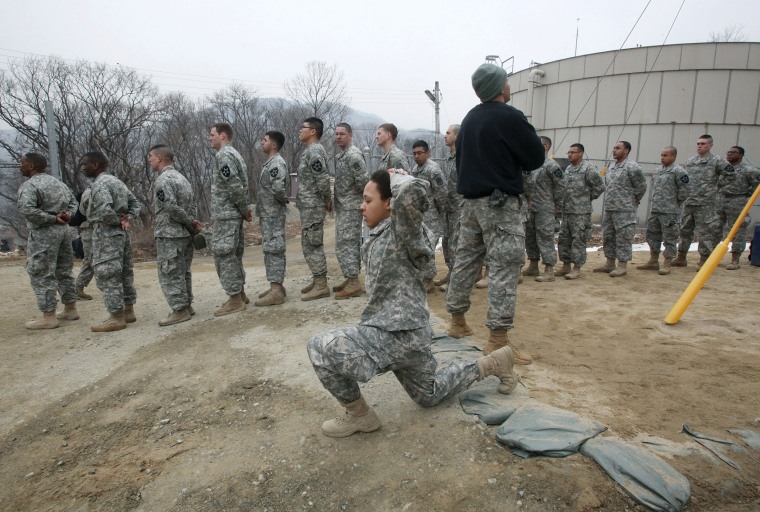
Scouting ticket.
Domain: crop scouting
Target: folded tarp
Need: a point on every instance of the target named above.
(493, 408)
(750, 438)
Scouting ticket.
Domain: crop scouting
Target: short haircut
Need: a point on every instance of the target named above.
(546, 140)
(420, 144)
(739, 149)
(346, 126)
(276, 137)
(97, 157)
(223, 128)
(455, 128)
(317, 124)
(579, 146)
(672, 149)
(163, 151)
(626, 145)
(38, 161)
(707, 138)
(391, 129)
(383, 181)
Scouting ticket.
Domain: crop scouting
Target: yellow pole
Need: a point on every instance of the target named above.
(707, 269)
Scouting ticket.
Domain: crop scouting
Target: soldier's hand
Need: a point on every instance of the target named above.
(125, 223)
(196, 226)
(248, 216)
(62, 218)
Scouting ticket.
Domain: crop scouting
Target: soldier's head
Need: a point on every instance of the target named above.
(272, 142)
(344, 135)
(490, 83)
(93, 163)
(668, 156)
(735, 154)
(32, 163)
(386, 135)
(546, 142)
(704, 145)
(220, 135)
(311, 129)
(621, 150)
(575, 153)
(420, 152)
(377, 199)
(450, 137)
(160, 156)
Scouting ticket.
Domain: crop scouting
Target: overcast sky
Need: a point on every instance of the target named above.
(389, 51)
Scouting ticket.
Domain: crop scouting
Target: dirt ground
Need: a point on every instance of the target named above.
(224, 413)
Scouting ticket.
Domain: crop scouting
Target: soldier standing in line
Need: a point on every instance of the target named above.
(47, 205)
(271, 209)
(625, 187)
(350, 178)
(454, 203)
(670, 187)
(112, 209)
(700, 211)
(229, 207)
(85, 234)
(314, 201)
(735, 188)
(544, 210)
(175, 209)
(393, 157)
(394, 330)
(583, 184)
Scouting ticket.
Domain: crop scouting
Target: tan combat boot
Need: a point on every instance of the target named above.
(483, 283)
(83, 295)
(444, 279)
(339, 287)
(69, 312)
(359, 417)
(129, 313)
(318, 291)
(501, 364)
(244, 297)
(353, 288)
(234, 304)
(274, 297)
(265, 292)
(48, 321)
(309, 287)
(608, 267)
(566, 269)
(114, 322)
(575, 273)
(702, 260)
(621, 269)
(665, 269)
(680, 260)
(532, 269)
(652, 264)
(459, 327)
(497, 339)
(190, 310)
(734, 265)
(176, 317)
(547, 276)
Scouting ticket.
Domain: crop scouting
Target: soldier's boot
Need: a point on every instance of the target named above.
(652, 264)
(483, 282)
(621, 269)
(83, 295)
(175, 317)
(275, 297)
(129, 313)
(359, 417)
(48, 321)
(497, 339)
(353, 288)
(114, 322)
(233, 305)
(309, 287)
(566, 269)
(429, 286)
(69, 312)
(608, 266)
(532, 269)
(680, 260)
(547, 276)
(265, 292)
(501, 364)
(339, 287)
(575, 273)
(318, 291)
(444, 279)
(665, 269)
(244, 297)
(734, 265)
(459, 327)
(190, 310)
(702, 260)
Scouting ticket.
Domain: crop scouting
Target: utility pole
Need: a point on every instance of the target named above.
(52, 130)
(435, 97)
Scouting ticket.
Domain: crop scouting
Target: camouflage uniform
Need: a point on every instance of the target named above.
(86, 272)
(394, 332)
(174, 204)
(111, 246)
(437, 194)
(735, 189)
(312, 199)
(670, 187)
(271, 209)
(625, 186)
(394, 159)
(545, 190)
(229, 205)
(700, 211)
(350, 178)
(583, 184)
(50, 258)
(453, 213)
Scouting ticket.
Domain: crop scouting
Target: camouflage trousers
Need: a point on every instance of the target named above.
(432, 221)
(618, 229)
(344, 357)
(663, 228)
(273, 246)
(50, 260)
(228, 245)
(493, 235)
(573, 237)
(729, 210)
(703, 219)
(174, 258)
(539, 237)
(112, 262)
(312, 239)
(348, 240)
(450, 223)
(86, 273)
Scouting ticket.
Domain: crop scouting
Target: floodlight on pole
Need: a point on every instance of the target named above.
(435, 97)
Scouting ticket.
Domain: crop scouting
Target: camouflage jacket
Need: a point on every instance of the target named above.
(743, 182)
(394, 159)
(110, 198)
(229, 186)
(703, 178)
(670, 188)
(84, 205)
(274, 184)
(625, 185)
(313, 178)
(174, 204)
(583, 184)
(438, 192)
(350, 178)
(42, 197)
(545, 187)
(454, 201)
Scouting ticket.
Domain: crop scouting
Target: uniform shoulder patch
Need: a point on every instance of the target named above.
(684, 179)
(558, 173)
(357, 166)
(439, 181)
(160, 195)
(316, 166)
(273, 172)
(729, 169)
(226, 171)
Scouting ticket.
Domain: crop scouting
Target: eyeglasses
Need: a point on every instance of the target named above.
(731, 152)
(307, 128)
(418, 153)
(572, 152)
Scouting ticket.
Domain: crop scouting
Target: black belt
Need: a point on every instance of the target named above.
(735, 195)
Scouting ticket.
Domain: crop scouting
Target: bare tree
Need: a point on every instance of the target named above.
(730, 34)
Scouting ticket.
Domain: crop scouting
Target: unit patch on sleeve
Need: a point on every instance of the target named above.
(226, 171)
(160, 195)
(273, 172)
(316, 166)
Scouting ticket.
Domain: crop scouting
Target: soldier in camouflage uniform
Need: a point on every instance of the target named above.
(625, 187)
(700, 211)
(350, 178)
(583, 184)
(271, 209)
(430, 171)
(112, 209)
(47, 205)
(314, 201)
(454, 203)
(545, 190)
(86, 273)
(735, 189)
(670, 187)
(393, 157)
(229, 208)
(175, 209)
(394, 332)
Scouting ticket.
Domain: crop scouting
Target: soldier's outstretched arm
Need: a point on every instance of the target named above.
(408, 205)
